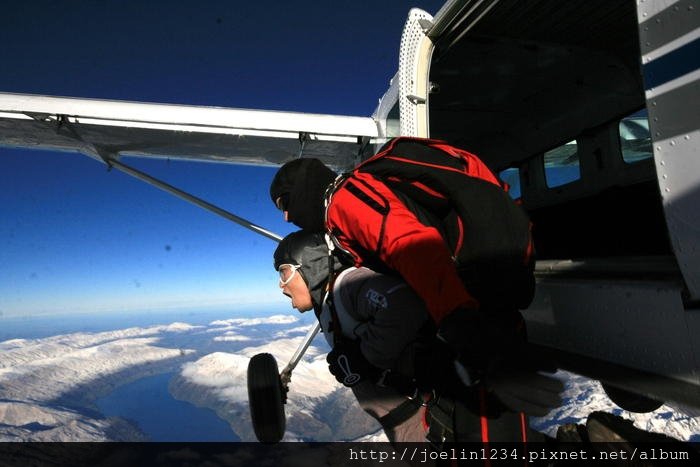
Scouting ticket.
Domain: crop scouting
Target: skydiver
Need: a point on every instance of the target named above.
(384, 348)
(379, 224)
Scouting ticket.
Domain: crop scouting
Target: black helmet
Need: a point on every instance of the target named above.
(301, 184)
(310, 251)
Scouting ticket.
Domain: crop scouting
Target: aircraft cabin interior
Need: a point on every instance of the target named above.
(550, 94)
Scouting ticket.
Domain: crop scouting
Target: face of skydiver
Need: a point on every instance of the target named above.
(303, 261)
(293, 286)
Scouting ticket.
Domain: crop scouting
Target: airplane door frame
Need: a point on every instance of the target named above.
(669, 36)
(414, 68)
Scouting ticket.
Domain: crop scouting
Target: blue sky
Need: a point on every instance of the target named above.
(77, 238)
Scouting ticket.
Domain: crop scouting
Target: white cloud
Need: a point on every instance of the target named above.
(232, 338)
(275, 319)
(290, 332)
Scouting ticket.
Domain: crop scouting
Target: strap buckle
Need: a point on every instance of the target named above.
(426, 399)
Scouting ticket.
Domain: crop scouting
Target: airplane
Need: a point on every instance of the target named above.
(588, 109)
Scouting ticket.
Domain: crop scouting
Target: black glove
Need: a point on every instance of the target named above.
(478, 338)
(455, 348)
(491, 348)
(348, 365)
(434, 369)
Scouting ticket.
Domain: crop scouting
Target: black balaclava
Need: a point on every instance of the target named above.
(304, 181)
(309, 250)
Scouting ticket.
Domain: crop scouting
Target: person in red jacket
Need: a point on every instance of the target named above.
(416, 251)
(381, 228)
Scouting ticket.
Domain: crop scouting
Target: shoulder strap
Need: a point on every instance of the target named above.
(369, 197)
(332, 242)
(400, 413)
(335, 322)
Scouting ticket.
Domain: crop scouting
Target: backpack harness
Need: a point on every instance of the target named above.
(487, 232)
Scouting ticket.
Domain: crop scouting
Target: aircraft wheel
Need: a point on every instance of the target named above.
(630, 401)
(266, 398)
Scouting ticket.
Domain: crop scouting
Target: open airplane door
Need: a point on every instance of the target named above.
(544, 93)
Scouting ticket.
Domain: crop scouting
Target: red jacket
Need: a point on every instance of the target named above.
(366, 216)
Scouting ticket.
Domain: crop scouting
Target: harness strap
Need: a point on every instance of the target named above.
(482, 416)
(335, 322)
(400, 414)
(523, 426)
(331, 240)
(441, 422)
(401, 383)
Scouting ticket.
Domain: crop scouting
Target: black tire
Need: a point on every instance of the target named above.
(266, 398)
(630, 401)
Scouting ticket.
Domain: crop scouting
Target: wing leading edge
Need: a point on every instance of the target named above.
(106, 129)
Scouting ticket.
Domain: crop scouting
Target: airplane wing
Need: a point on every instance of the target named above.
(106, 129)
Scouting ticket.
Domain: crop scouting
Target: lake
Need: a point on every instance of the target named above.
(163, 418)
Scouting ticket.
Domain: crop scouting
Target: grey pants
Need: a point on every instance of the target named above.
(450, 420)
(379, 401)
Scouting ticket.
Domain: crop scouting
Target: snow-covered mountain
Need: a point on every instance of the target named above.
(28, 421)
(583, 396)
(48, 386)
(317, 407)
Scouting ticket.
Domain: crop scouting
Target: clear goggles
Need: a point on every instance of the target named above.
(287, 272)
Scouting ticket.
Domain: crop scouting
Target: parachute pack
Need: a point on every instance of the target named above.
(450, 189)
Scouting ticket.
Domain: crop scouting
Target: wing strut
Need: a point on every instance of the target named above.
(192, 199)
(286, 374)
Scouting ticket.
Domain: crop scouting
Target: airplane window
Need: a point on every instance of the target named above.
(635, 139)
(512, 177)
(561, 165)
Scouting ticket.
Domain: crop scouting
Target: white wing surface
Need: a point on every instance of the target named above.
(106, 129)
